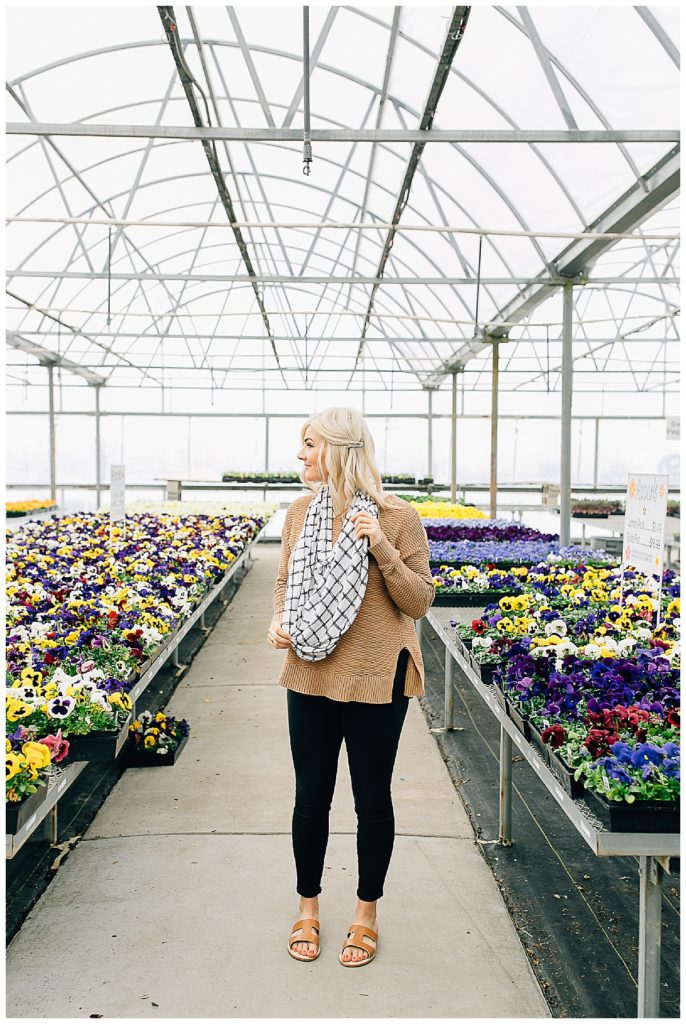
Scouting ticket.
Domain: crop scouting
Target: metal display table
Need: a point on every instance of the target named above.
(63, 778)
(653, 850)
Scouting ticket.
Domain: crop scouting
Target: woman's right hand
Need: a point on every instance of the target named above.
(277, 636)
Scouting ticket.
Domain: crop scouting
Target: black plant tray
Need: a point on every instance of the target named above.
(486, 672)
(590, 515)
(98, 746)
(536, 741)
(469, 598)
(641, 816)
(136, 758)
(521, 721)
(565, 775)
(16, 815)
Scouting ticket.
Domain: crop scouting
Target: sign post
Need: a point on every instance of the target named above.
(644, 527)
(117, 499)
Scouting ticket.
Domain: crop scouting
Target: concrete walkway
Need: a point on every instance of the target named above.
(179, 900)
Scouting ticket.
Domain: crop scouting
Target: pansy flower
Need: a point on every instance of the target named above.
(61, 707)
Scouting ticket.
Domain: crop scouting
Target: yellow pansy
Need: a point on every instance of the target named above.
(14, 763)
(17, 709)
(37, 754)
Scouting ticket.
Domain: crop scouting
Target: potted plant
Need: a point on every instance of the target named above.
(155, 740)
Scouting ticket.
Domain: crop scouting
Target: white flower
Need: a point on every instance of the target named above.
(627, 644)
(610, 643)
(591, 651)
(539, 652)
(642, 632)
(556, 626)
(482, 642)
(162, 750)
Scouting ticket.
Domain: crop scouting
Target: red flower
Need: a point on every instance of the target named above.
(478, 625)
(555, 735)
(674, 717)
(59, 747)
(598, 741)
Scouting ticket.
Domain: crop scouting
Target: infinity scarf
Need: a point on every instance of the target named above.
(326, 583)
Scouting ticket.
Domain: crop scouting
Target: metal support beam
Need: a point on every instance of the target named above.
(649, 936)
(624, 215)
(595, 451)
(451, 43)
(230, 133)
(453, 439)
(429, 431)
(505, 816)
(51, 415)
(97, 447)
(566, 415)
(449, 692)
(494, 429)
(188, 83)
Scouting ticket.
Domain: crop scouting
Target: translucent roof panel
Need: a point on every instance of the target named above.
(123, 256)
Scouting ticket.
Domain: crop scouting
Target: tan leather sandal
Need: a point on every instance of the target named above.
(310, 933)
(356, 936)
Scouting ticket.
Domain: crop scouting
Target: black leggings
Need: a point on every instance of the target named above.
(317, 725)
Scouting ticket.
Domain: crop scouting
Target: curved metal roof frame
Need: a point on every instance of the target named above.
(391, 304)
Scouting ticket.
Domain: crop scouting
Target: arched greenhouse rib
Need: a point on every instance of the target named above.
(343, 353)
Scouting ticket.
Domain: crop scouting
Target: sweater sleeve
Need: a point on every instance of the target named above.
(282, 575)
(406, 569)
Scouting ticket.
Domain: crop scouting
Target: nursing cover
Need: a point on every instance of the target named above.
(326, 583)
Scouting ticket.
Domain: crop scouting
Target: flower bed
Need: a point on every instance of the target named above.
(432, 509)
(14, 509)
(598, 681)
(84, 616)
(506, 554)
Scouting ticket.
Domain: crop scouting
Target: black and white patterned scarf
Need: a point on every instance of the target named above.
(326, 583)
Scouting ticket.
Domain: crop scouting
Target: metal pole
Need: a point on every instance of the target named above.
(566, 415)
(266, 444)
(505, 828)
(97, 446)
(429, 452)
(649, 936)
(595, 453)
(449, 696)
(453, 441)
(494, 429)
(51, 411)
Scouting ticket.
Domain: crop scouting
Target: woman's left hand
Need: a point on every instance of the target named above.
(366, 525)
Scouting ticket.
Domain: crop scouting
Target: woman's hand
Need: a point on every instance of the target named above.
(367, 525)
(277, 636)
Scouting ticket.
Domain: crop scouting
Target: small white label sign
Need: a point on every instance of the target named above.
(117, 493)
(644, 523)
(673, 428)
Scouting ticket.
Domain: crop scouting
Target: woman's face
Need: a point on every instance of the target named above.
(309, 453)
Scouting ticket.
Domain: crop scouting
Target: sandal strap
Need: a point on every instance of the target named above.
(356, 933)
(308, 926)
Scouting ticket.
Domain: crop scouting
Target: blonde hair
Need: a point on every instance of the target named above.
(349, 468)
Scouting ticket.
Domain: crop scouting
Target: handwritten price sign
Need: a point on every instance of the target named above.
(644, 524)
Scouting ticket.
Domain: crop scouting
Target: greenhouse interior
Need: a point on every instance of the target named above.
(335, 334)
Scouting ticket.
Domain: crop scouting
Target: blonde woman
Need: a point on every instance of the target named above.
(354, 574)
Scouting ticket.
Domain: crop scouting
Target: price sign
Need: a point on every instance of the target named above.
(117, 496)
(644, 523)
(673, 428)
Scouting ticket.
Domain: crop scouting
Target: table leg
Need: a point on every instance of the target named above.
(449, 700)
(505, 830)
(649, 936)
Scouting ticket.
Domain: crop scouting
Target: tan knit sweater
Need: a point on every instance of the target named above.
(400, 589)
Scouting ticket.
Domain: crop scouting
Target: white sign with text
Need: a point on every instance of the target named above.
(673, 428)
(644, 522)
(117, 494)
